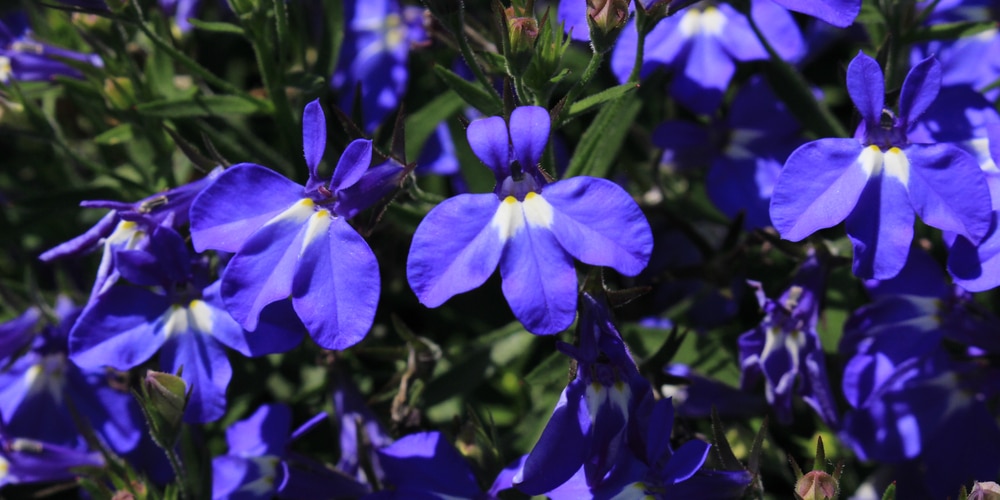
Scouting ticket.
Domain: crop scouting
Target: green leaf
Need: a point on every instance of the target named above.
(420, 125)
(890, 492)
(593, 101)
(116, 135)
(598, 148)
(947, 31)
(217, 27)
(487, 104)
(215, 105)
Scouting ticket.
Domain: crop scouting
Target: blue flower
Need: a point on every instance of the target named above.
(785, 349)
(294, 240)
(840, 13)
(876, 180)
(29, 461)
(22, 58)
(184, 320)
(701, 46)
(529, 226)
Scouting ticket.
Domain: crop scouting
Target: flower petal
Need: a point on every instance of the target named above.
(686, 461)
(707, 72)
(206, 367)
(488, 139)
(263, 433)
(336, 287)
(313, 139)
(840, 13)
(597, 222)
(261, 272)
(529, 133)
(352, 164)
(919, 89)
(866, 88)
(455, 248)
(539, 281)
(238, 203)
(121, 329)
(562, 447)
(279, 329)
(881, 228)
(818, 187)
(948, 189)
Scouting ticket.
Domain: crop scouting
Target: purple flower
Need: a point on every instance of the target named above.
(294, 240)
(785, 350)
(840, 13)
(376, 47)
(528, 226)
(28, 461)
(701, 46)
(876, 180)
(184, 320)
(22, 58)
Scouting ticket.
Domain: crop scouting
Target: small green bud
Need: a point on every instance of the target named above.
(523, 32)
(817, 485)
(163, 400)
(606, 18)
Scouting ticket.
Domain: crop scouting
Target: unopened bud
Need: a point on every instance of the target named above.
(523, 33)
(817, 485)
(606, 18)
(163, 400)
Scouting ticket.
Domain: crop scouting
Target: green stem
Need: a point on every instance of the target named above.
(470, 61)
(588, 74)
(182, 481)
(640, 50)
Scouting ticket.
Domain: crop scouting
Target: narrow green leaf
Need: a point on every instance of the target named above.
(724, 453)
(116, 135)
(590, 102)
(215, 105)
(947, 31)
(217, 27)
(890, 492)
(599, 145)
(420, 125)
(473, 94)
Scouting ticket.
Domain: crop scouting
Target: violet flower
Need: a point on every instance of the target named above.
(876, 180)
(529, 226)
(22, 58)
(29, 461)
(294, 240)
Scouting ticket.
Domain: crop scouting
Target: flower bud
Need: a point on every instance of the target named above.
(606, 18)
(984, 491)
(817, 485)
(163, 400)
(523, 33)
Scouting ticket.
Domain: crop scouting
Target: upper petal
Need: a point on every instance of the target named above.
(313, 138)
(529, 133)
(919, 89)
(596, 221)
(818, 187)
(238, 203)
(866, 88)
(455, 248)
(336, 286)
(488, 139)
(352, 164)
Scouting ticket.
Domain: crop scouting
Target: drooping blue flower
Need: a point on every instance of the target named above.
(377, 39)
(294, 240)
(127, 227)
(785, 351)
(36, 390)
(743, 153)
(25, 461)
(183, 319)
(530, 227)
(702, 45)
(876, 180)
(22, 58)
(589, 427)
(259, 465)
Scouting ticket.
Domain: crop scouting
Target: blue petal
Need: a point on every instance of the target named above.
(336, 287)
(562, 447)
(919, 89)
(313, 139)
(238, 203)
(948, 189)
(818, 187)
(279, 329)
(529, 133)
(707, 72)
(238, 478)
(121, 329)
(15, 333)
(261, 272)
(739, 39)
(539, 281)
(206, 367)
(426, 463)
(574, 15)
(489, 141)
(840, 13)
(352, 164)
(686, 461)
(743, 185)
(85, 242)
(866, 88)
(455, 248)
(778, 28)
(976, 268)
(881, 229)
(597, 222)
(263, 433)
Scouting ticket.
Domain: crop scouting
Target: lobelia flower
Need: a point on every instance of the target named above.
(840, 13)
(701, 46)
(37, 388)
(294, 240)
(25, 461)
(744, 153)
(785, 349)
(377, 39)
(184, 320)
(876, 180)
(360, 433)
(22, 58)
(529, 226)
(127, 227)
(589, 427)
(259, 464)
